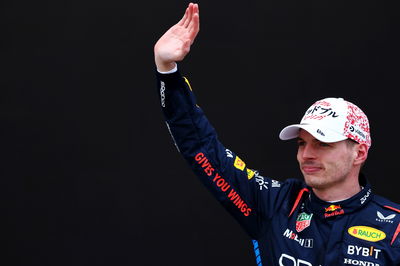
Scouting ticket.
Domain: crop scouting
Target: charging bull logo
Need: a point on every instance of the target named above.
(333, 210)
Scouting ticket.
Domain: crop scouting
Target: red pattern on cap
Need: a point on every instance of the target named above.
(357, 118)
(322, 103)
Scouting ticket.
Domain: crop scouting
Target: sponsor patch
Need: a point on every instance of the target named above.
(385, 219)
(229, 153)
(365, 197)
(261, 181)
(359, 262)
(239, 164)
(162, 93)
(366, 233)
(275, 183)
(333, 210)
(304, 242)
(364, 251)
(303, 221)
(250, 173)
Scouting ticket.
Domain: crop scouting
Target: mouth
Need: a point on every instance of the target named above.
(310, 169)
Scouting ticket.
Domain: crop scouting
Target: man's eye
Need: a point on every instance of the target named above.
(300, 143)
(323, 144)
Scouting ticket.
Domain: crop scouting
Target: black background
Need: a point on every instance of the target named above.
(89, 174)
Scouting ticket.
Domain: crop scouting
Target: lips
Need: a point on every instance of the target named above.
(310, 169)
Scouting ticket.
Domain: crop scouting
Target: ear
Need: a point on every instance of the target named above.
(361, 155)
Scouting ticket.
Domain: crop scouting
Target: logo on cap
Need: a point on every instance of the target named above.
(320, 132)
(332, 120)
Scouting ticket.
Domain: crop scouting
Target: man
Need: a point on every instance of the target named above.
(332, 218)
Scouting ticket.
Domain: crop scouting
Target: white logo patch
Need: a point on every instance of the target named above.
(260, 180)
(381, 218)
(162, 93)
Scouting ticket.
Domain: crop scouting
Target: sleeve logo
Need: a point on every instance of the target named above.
(221, 184)
(162, 93)
(239, 164)
(250, 173)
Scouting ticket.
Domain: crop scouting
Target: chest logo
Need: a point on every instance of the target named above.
(333, 210)
(366, 233)
(303, 221)
(388, 219)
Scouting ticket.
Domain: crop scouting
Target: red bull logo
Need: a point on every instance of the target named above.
(333, 210)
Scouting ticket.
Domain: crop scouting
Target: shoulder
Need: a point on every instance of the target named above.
(384, 211)
(291, 185)
(387, 218)
(384, 203)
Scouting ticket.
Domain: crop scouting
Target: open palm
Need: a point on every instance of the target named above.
(175, 44)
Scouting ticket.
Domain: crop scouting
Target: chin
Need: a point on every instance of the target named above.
(314, 181)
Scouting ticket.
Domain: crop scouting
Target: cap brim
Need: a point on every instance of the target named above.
(324, 135)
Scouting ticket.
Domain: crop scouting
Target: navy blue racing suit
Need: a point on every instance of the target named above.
(287, 223)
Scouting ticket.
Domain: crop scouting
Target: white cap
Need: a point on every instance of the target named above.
(331, 120)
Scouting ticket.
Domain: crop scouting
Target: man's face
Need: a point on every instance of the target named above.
(324, 165)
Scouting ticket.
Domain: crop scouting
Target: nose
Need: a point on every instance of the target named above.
(307, 152)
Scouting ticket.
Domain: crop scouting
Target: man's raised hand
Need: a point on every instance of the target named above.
(175, 44)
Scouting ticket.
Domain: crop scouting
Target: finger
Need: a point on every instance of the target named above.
(185, 17)
(189, 15)
(194, 27)
(196, 8)
(195, 21)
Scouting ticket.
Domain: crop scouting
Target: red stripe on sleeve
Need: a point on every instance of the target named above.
(393, 209)
(395, 234)
(398, 227)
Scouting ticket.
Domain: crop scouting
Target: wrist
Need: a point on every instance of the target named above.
(164, 66)
(173, 70)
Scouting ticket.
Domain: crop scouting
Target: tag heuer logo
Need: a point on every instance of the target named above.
(303, 221)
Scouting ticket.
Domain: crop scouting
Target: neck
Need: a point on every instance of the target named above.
(333, 195)
(339, 192)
